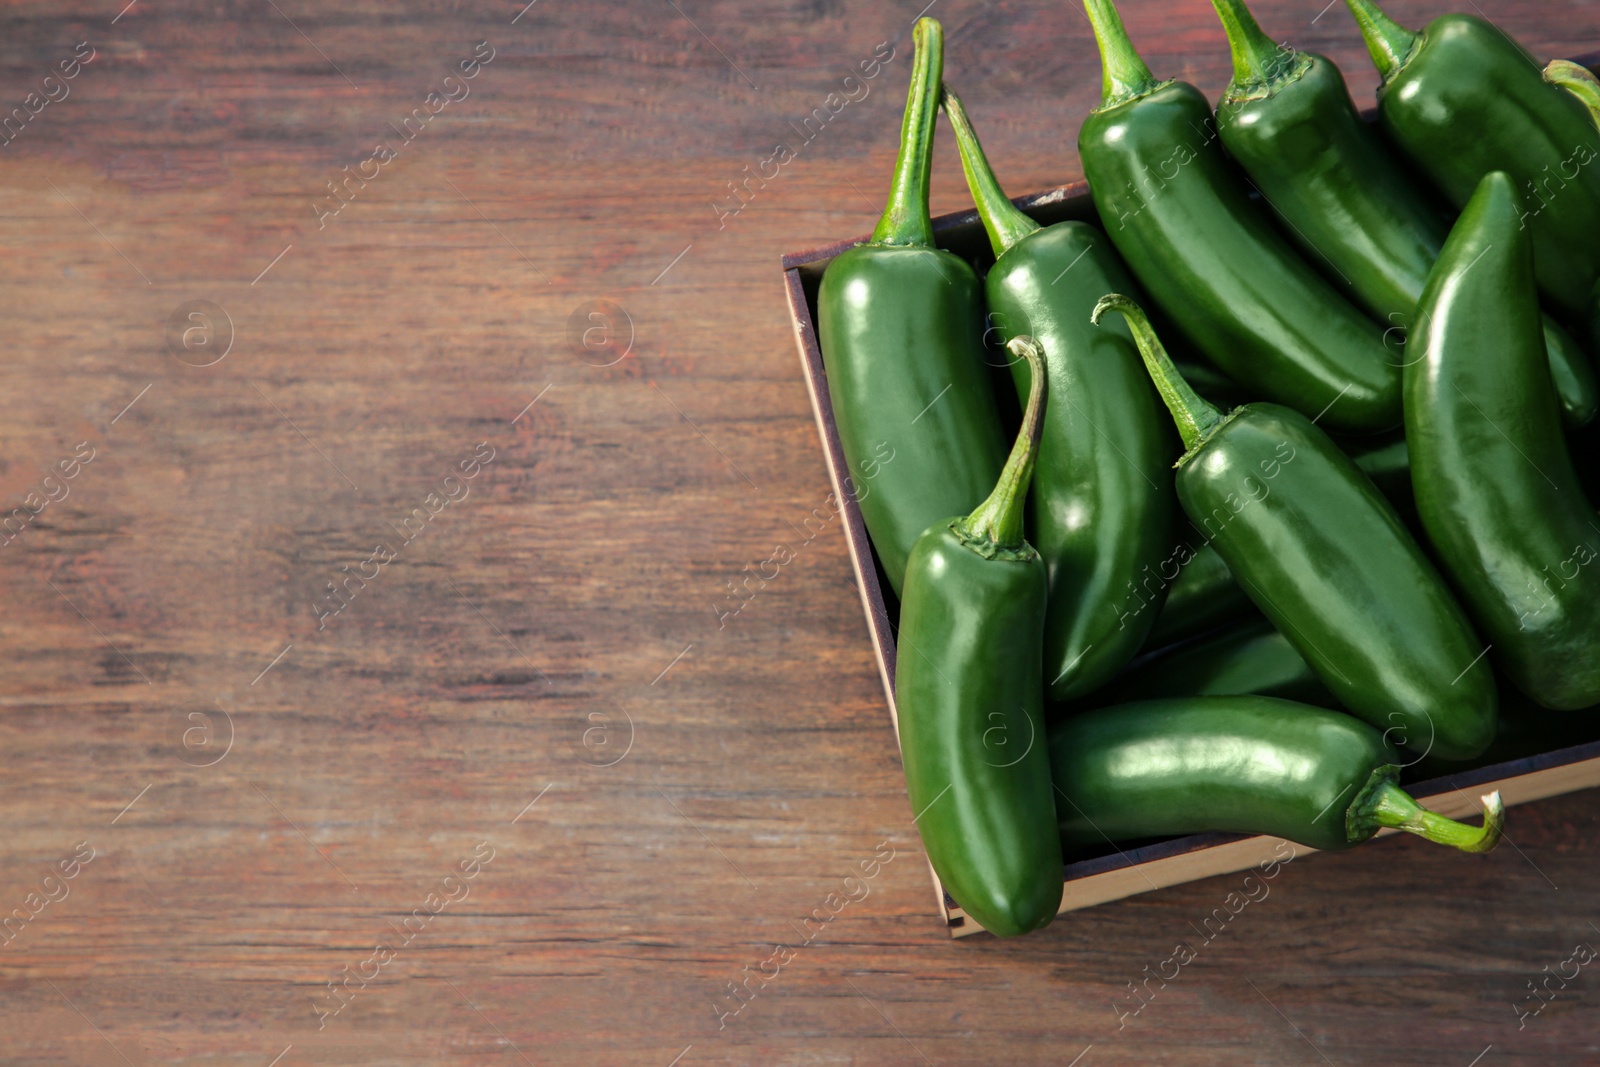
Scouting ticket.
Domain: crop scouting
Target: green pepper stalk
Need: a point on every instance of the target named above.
(1326, 558)
(1390, 44)
(1101, 505)
(906, 219)
(1577, 80)
(1495, 484)
(1239, 764)
(1461, 99)
(1384, 803)
(1260, 65)
(997, 524)
(1006, 223)
(970, 695)
(901, 326)
(1345, 199)
(1212, 259)
(1125, 76)
(1197, 419)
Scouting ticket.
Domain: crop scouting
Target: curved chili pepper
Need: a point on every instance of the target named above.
(1287, 119)
(1211, 259)
(1248, 658)
(1241, 764)
(1325, 557)
(901, 326)
(1102, 506)
(1495, 486)
(970, 691)
(1462, 99)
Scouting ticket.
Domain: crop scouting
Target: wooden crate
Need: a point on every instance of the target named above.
(1120, 873)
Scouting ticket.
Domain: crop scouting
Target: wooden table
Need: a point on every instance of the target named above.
(487, 753)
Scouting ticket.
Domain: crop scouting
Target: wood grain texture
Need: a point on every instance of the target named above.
(166, 602)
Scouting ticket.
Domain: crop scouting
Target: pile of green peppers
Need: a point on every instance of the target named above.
(1340, 537)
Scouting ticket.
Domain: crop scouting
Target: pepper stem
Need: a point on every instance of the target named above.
(1384, 803)
(1388, 41)
(1196, 418)
(905, 219)
(1004, 220)
(1257, 58)
(1578, 81)
(1124, 74)
(999, 519)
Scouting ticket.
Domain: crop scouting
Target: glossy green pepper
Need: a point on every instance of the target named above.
(1101, 507)
(1325, 557)
(1239, 764)
(1213, 261)
(901, 326)
(970, 692)
(1495, 486)
(1288, 120)
(1462, 99)
(1247, 658)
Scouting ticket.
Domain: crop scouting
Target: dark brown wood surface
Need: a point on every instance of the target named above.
(540, 687)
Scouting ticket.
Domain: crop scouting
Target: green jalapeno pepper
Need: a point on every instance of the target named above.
(1239, 764)
(1287, 119)
(1327, 559)
(969, 687)
(1248, 658)
(901, 325)
(1462, 99)
(1101, 507)
(1495, 486)
(1212, 260)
